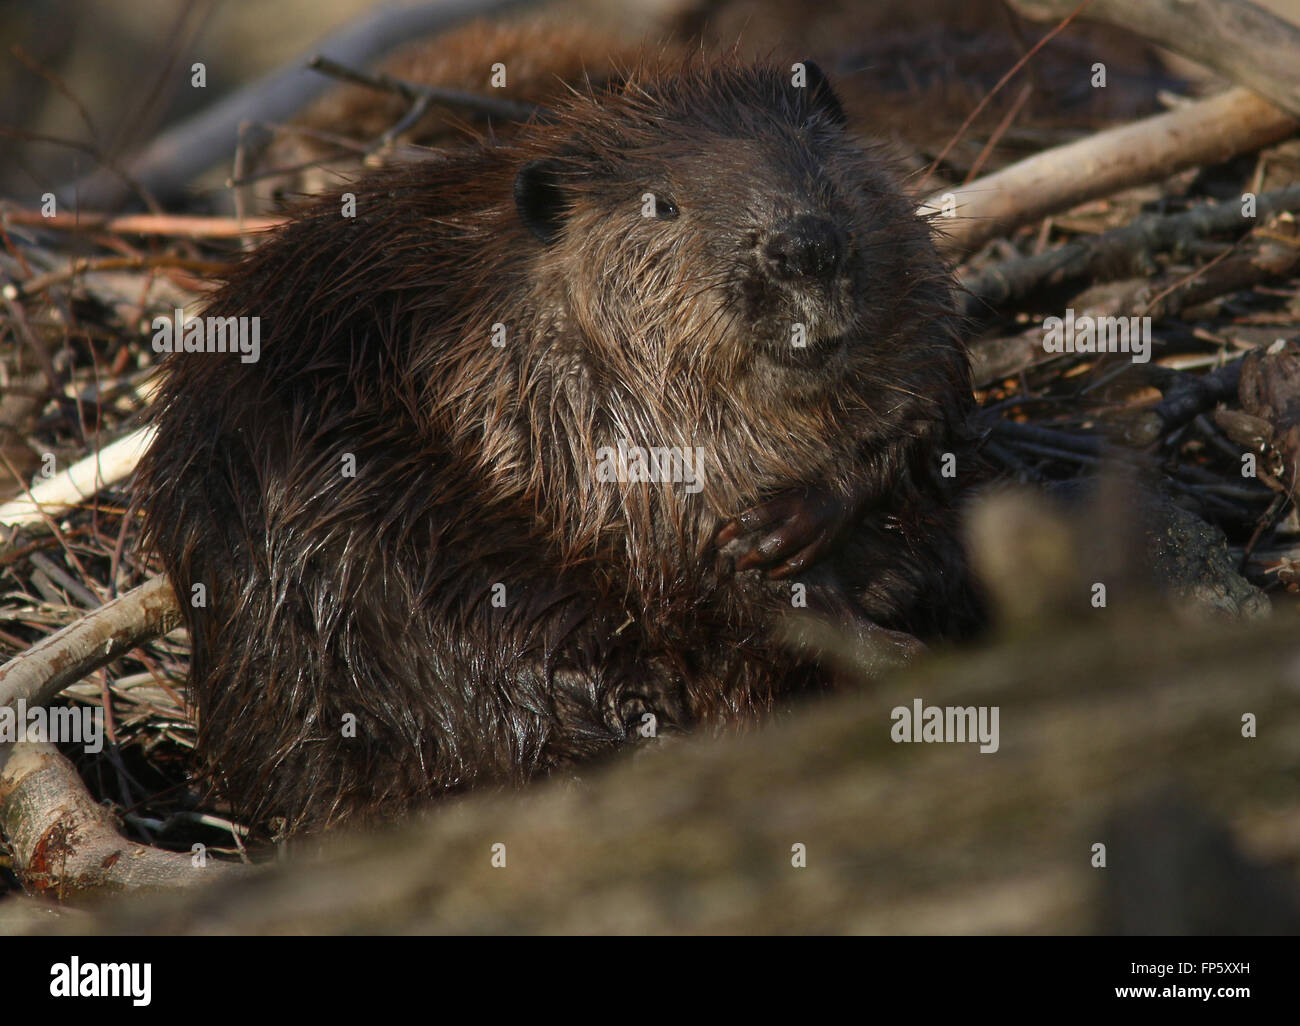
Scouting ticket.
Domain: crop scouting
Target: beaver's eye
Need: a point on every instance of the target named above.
(665, 209)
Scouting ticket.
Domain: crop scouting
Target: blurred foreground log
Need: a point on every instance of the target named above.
(1099, 722)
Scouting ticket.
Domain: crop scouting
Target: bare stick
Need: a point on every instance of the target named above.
(80, 266)
(1238, 39)
(66, 846)
(422, 96)
(1119, 252)
(970, 118)
(1206, 132)
(39, 674)
(64, 843)
(145, 224)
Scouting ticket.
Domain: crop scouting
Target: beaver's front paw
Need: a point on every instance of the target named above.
(789, 533)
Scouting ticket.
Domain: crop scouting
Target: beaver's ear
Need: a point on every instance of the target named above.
(540, 198)
(820, 96)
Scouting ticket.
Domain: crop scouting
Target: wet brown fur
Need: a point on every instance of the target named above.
(372, 595)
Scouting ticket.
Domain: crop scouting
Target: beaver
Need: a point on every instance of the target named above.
(544, 441)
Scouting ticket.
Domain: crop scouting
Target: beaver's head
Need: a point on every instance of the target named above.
(721, 222)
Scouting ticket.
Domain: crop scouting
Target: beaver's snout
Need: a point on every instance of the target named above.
(807, 247)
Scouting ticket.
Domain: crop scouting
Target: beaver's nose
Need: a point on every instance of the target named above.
(806, 246)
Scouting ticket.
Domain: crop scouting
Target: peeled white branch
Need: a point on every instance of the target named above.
(1206, 132)
(79, 482)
